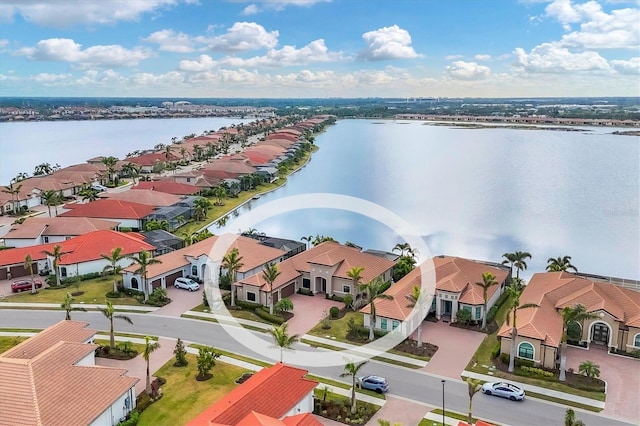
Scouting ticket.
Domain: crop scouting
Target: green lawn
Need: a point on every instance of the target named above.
(237, 313)
(184, 397)
(94, 292)
(7, 342)
(338, 330)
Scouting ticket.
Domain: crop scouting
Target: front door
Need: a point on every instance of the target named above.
(600, 334)
(447, 307)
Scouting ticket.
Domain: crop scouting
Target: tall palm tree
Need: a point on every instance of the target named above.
(509, 259)
(110, 164)
(202, 203)
(488, 280)
(405, 249)
(308, 240)
(15, 194)
(570, 314)
(109, 312)
(473, 386)
(570, 418)
(282, 338)
(514, 295)
(374, 291)
(519, 261)
(57, 256)
(351, 369)
(144, 260)
(232, 262)
(414, 300)
(270, 273)
(67, 305)
(168, 152)
(149, 347)
(355, 273)
(113, 258)
(50, 198)
(131, 170)
(28, 265)
(560, 264)
(220, 193)
(88, 194)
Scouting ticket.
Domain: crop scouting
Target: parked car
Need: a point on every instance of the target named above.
(98, 187)
(186, 283)
(504, 390)
(374, 383)
(24, 285)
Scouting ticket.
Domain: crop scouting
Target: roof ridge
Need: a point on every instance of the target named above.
(34, 392)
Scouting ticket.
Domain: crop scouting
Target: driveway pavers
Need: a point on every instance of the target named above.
(181, 301)
(399, 410)
(456, 347)
(308, 311)
(622, 375)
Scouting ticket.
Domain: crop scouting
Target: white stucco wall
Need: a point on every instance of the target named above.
(305, 405)
(117, 411)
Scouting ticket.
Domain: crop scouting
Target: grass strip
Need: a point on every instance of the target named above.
(536, 395)
(248, 327)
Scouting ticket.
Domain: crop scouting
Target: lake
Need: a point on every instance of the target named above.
(475, 193)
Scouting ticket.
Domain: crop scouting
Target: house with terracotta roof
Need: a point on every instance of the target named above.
(51, 379)
(168, 187)
(43, 230)
(147, 161)
(616, 326)
(195, 261)
(130, 215)
(254, 403)
(81, 254)
(455, 290)
(321, 269)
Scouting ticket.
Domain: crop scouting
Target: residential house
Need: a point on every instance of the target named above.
(51, 379)
(43, 230)
(169, 187)
(455, 289)
(254, 403)
(147, 161)
(616, 324)
(195, 261)
(144, 196)
(321, 269)
(196, 178)
(130, 215)
(163, 241)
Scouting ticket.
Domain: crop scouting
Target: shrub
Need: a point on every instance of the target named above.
(206, 360)
(463, 316)
(305, 291)
(181, 354)
(225, 282)
(158, 297)
(334, 312)
(496, 351)
(519, 362)
(113, 294)
(268, 317)
(247, 305)
(536, 371)
(283, 305)
(491, 314)
(132, 419)
(347, 300)
(337, 298)
(589, 369)
(205, 302)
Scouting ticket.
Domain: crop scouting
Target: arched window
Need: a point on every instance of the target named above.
(636, 341)
(134, 283)
(525, 350)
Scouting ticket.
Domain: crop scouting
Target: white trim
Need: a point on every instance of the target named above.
(532, 347)
(636, 344)
(590, 338)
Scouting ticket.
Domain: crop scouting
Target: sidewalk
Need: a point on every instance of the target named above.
(230, 320)
(77, 305)
(537, 389)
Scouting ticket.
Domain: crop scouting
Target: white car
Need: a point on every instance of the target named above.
(186, 283)
(98, 187)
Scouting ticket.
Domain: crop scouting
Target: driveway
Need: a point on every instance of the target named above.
(456, 347)
(181, 301)
(622, 375)
(400, 411)
(308, 311)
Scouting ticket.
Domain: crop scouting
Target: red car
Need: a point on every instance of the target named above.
(24, 285)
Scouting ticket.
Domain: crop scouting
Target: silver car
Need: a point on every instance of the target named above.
(505, 390)
(186, 283)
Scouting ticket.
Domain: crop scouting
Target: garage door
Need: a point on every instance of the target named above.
(171, 278)
(19, 271)
(3, 274)
(288, 290)
(156, 284)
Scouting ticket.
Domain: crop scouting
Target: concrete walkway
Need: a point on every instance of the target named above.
(400, 410)
(537, 389)
(137, 308)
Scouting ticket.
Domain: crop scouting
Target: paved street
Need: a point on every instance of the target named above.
(407, 383)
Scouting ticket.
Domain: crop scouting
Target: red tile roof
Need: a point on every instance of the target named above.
(33, 227)
(91, 246)
(16, 256)
(150, 159)
(256, 394)
(109, 209)
(168, 187)
(144, 196)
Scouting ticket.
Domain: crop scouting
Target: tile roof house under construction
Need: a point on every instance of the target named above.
(52, 379)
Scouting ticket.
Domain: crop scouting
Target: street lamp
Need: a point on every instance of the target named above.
(443, 416)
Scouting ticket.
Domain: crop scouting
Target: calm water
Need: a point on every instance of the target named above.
(25, 145)
(476, 193)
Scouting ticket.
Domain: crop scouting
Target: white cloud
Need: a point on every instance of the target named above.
(482, 57)
(279, 5)
(242, 36)
(453, 57)
(387, 43)
(314, 52)
(551, 58)
(170, 41)
(59, 14)
(461, 70)
(203, 63)
(632, 66)
(252, 9)
(67, 50)
(47, 78)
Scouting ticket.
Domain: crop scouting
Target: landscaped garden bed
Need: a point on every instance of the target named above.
(411, 347)
(338, 408)
(115, 353)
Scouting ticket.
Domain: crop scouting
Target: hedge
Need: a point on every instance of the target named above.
(247, 305)
(491, 315)
(268, 317)
(536, 371)
(495, 353)
(519, 362)
(305, 291)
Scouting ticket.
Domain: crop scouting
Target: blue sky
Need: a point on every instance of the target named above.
(320, 48)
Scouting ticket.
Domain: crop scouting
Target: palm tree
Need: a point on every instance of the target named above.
(560, 264)
(405, 250)
(514, 295)
(149, 347)
(28, 265)
(15, 194)
(168, 152)
(373, 289)
(43, 169)
(88, 194)
(68, 307)
(144, 260)
(270, 273)
(110, 164)
(570, 418)
(570, 314)
(282, 338)
(220, 193)
(232, 262)
(352, 369)
(113, 258)
(57, 255)
(355, 273)
(131, 170)
(473, 385)
(519, 263)
(109, 312)
(509, 259)
(488, 280)
(50, 198)
(589, 369)
(308, 240)
(414, 300)
(202, 203)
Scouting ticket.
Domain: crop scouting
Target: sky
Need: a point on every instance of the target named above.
(319, 48)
